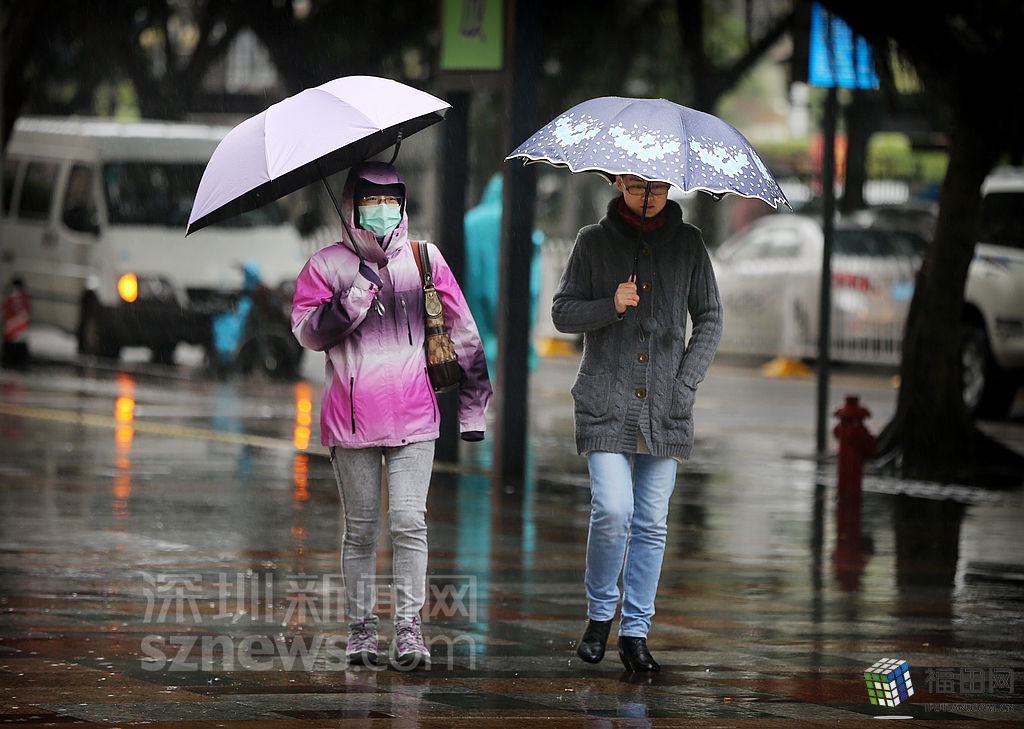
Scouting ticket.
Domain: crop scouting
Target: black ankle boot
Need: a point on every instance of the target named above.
(635, 656)
(595, 637)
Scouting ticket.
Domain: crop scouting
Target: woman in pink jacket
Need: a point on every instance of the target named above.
(361, 302)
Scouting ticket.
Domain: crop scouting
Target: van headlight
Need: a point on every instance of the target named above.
(128, 287)
(131, 287)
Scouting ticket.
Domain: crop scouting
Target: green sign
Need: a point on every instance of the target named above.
(472, 35)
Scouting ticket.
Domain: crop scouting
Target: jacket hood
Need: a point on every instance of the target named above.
(492, 193)
(364, 242)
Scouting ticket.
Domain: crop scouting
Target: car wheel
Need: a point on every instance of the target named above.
(269, 354)
(94, 337)
(987, 391)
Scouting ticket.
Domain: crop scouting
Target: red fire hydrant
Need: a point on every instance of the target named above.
(855, 443)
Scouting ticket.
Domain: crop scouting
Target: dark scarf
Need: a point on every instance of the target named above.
(634, 220)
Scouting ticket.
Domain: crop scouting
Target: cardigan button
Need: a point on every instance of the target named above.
(646, 251)
(641, 393)
(642, 357)
(645, 286)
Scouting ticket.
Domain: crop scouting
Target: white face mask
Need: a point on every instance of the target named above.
(380, 219)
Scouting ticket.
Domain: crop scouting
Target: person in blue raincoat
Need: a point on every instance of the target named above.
(253, 334)
(483, 259)
(229, 326)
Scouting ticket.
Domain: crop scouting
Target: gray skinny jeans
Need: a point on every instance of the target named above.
(358, 473)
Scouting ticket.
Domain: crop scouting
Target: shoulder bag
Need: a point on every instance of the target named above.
(442, 362)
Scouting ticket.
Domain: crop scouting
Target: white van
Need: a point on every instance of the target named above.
(94, 216)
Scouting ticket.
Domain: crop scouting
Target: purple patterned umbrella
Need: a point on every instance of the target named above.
(305, 138)
(657, 140)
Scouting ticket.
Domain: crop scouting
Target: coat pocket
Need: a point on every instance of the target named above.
(683, 397)
(591, 394)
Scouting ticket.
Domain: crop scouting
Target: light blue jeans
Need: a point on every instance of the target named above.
(358, 473)
(629, 495)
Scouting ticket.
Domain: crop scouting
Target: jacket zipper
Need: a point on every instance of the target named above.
(433, 397)
(408, 326)
(352, 401)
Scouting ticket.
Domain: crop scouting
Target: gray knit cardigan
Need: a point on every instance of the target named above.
(638, 370)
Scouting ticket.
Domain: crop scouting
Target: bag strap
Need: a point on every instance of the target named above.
(422, 258)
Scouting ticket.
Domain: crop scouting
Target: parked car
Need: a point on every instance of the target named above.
(993, 319)
(916, 217)
(993, 316)
(769, 276)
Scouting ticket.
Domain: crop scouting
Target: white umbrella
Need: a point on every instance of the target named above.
(307, 137)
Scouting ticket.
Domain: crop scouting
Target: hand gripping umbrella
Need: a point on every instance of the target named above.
(306, 137)
(657, 140)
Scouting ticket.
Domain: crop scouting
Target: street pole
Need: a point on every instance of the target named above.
(828, 176)
(454, 145)
(520, 191)
(3, 147)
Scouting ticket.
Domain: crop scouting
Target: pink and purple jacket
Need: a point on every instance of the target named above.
(365, 311)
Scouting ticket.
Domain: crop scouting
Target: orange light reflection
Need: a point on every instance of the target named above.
(300, 476)
(124, 433)
(301, 439)
(303, 415)
(299, 535)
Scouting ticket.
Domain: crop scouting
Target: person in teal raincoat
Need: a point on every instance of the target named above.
(483, 258)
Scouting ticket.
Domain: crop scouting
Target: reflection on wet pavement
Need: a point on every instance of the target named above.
(169, 553)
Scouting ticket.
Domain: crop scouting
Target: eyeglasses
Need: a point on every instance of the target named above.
(380, 200)
(656, 190)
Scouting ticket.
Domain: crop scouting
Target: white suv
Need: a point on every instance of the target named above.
(993, 325)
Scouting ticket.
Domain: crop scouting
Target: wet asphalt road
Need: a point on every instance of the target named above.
(169, 554)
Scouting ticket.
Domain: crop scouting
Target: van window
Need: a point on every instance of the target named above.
(1002, 219)
(79, 211)
(10, 176)
(161, 193)
(36, 190)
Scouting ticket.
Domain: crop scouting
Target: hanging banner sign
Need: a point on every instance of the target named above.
(838, 58)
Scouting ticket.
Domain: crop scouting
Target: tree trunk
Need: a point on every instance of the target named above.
(930, 384)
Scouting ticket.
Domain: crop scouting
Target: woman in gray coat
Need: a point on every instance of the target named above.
(629, 285)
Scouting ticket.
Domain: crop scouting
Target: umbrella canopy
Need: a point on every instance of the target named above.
(657, 140)
(307, 137)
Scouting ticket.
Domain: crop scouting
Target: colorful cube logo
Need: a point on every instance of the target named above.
(888, 682)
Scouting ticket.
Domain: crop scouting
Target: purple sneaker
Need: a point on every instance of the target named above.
(408, 649)
(362, 643)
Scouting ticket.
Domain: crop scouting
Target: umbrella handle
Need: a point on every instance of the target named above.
(640, 233)
(398, 145)
(643, 210)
